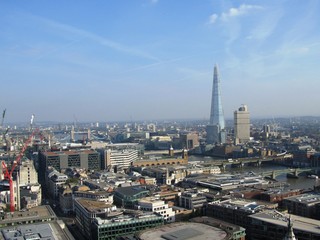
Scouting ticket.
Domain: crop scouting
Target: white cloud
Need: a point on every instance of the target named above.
(213, 18)
(243, 9)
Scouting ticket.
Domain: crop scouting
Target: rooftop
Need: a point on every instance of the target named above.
(306, 198)
(277, 218)
(48, 231)
(94, 206)
(39, 212)
(181, 231)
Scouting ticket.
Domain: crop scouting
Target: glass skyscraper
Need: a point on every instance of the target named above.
(216, 127)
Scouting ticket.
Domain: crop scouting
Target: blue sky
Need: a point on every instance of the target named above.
(147, 59)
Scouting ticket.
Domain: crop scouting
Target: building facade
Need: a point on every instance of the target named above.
(27, 173)
(103, 229)
(156, 205)
(242, 125)
(85, 159)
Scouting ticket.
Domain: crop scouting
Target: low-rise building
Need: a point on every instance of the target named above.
(304, 205)
(235, 211)
(154, 204)
(87, 210)
(54, 181)
(124, 225)
(192, 199)
(35, 223)
(274, 224)
(128, 197)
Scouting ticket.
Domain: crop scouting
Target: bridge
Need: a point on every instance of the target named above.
(294, 171)
(256, 161)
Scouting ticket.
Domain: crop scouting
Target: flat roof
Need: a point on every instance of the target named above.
(43, 211)
(281, 219)
(93, 206)
(181, 231)
(307, 198)
(48, 231)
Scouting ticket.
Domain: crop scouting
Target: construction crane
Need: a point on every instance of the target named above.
(8, 174)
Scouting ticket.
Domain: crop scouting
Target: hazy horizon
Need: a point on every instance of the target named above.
(90, 61)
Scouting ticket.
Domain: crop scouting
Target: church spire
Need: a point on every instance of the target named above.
(290, 234)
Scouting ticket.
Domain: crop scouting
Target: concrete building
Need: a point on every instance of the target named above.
(192, 199)
(54, 181)
(163, 160)
(305, 205)
(274, 224)
(127, 197)
(65, 199)
(189, 140)
(85, 159)
(31, 196)
(27, 173)
(242, 125)
(197, 229)
(119, 159)
(87, 210)
(154, 204)
(234, 211)
(131, 224)
(101, 196)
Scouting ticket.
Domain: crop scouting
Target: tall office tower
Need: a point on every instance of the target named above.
(242, 125)
(216, 129)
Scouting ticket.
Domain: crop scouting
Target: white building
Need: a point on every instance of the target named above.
(54, 180)
(154, 204)
(120, 158)
(27, 174)
(192, 199)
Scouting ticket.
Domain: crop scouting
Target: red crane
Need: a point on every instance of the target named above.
(8, 174)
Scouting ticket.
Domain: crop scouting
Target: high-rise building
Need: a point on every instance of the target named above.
(242, 125)
(216, 128)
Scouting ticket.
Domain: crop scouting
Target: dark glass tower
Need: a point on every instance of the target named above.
(216, 127)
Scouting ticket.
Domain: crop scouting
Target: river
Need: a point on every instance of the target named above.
(294, 183)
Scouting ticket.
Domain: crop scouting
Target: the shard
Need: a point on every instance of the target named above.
(216, 127)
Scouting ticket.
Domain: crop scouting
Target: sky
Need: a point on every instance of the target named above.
(130, 60)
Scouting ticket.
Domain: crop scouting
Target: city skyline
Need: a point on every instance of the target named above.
(153, 59)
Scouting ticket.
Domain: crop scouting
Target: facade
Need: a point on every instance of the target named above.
(242, 125)
(110, 229)
(163, 161)
(102, 196)
(27, 173)
(128, 197)
(192, 200)
(65, 199)
(189, 140)
(122, 159)
(85, 159)
(234, 211)
(305, 205)
(87, 210)
(152, 204)
(30, 196)
(216, 128)
(54, 181)
(274, 224)
(35, 215)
